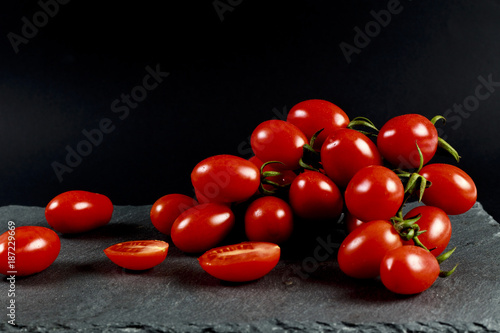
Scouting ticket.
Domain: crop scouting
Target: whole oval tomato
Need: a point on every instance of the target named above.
(408, 270)
(167, 208)
(374, 193)
(139, 254)
(242, 262)
(78, 211)
(345, 152)
(452, 189)
(398, 137)
(225, 179)
(269, 219)
(202, 227)
(28, 250)
(361, 252)
(278, 140)
(313, 195)
(285, 178)
(312, 115)
(437, 226)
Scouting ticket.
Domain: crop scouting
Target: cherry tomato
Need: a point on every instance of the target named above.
(398, 137)
(361, 252)
(242, 262)
(313, 195)
(269, 219)
(138, 255)
(374, 193)
(312, 115)
(167, 208)
(286, 177)
(408, 270)
(278, 140)
(352, 222)
(345, 152)
(202, 227)
(452, 189)
(437, 226)
(78, 211)
(28, 250)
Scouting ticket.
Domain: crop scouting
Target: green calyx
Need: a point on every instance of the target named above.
(311, 158)
(414, 180)
(364, 122)
(264, 179)
(442, 143)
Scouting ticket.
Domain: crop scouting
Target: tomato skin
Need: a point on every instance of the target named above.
(138, 255)
(312, 115)
(408, 270)
(278, 140)
(313, 195)
(78, 211)
(225, 179)
(374, 193)
(397, 140)
(241, 262)
(352, 222)
(345, 152)
(202, 227)
(361, 252)
(269, 219)
(167, 208)
(437, 226)
(35, 248)
(452, 189)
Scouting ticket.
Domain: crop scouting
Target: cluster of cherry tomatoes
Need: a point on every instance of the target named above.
(308, 170)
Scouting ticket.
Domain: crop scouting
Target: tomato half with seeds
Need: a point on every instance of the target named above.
(28, 250)
(139, 254)
(241, 262)
(78, 211)
(167, 208)
(452, 189)
(312, 115)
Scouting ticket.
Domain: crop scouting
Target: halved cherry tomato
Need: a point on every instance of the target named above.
(225, 179)
(28, 250)
(202, 227)
(312, 115)
(78, 211)
(139, 254)
(408, 270)
(242, 262)
(167, 208)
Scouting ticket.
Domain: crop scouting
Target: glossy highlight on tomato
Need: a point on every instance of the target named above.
(35, 249)
(78, 211)
(139, 254)
(241, 262)
(167, 208)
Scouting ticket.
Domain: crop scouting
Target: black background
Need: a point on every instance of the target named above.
(228, 72)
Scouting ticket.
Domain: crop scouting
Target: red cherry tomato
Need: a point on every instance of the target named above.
(408, 270)
(352, 222)
(452, 189)
(269, 219)
(361, 252)
(28, 250)
(278, 140)
(313, 195)
(202, 227)
(138, 255)
(398, 137)
(437, 226)
(345, 152)
(167, 208)
(225, 179)
(78, 211)
(312, 115)
(374, 193)
(286, 177)
(242, 262)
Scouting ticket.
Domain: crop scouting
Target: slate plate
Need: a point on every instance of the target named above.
(85, 291)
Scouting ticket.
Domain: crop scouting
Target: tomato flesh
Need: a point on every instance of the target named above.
(241, 262)
(138, 254)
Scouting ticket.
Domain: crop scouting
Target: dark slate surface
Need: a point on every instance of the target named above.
(85, 291)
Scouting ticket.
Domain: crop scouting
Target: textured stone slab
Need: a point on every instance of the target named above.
(306, 292)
